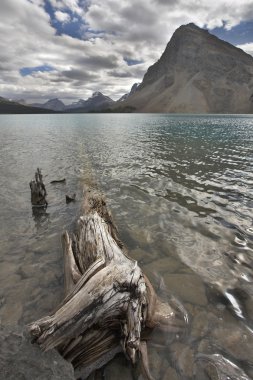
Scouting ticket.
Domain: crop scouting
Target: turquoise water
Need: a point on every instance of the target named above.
(181, 191)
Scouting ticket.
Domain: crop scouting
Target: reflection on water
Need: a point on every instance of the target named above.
(180, 188)
(40, 217)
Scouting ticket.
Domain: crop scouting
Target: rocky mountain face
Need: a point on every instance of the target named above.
(197, 73)
(132, 91)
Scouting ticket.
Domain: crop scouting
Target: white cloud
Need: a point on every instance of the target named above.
(248, 48)
(62, 17)
(72, 5)
(111, 30)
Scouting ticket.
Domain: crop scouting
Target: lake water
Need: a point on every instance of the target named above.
(181, 192)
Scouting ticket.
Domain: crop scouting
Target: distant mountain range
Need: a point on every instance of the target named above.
(197, 73)
(97, 102)
(8, 106)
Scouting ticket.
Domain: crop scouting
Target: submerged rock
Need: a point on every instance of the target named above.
(188, 288)
(170, 374)
(221, 368)
(155, 363)
(19, 359)
(237, 342)
(119, 367)
(183, 356)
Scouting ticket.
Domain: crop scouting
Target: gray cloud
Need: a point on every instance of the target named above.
(120, 74)
(109, 61)
(166, 2)
(78, 74)
(60, 78)
(139, 14)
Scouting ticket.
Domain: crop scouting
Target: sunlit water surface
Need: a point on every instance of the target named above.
(181, 192)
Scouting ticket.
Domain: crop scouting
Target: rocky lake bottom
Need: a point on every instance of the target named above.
(180, 190)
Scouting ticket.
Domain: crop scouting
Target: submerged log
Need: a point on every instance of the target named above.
(108, 303)
(63, 180)
(38, 191)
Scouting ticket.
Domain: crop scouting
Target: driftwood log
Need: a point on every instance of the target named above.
(38, 191)
(109, 302)
(63, 180)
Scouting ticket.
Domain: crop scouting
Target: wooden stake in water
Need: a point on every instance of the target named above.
(38, 191)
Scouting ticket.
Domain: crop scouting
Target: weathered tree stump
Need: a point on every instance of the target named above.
(108, 303)
(38, 191)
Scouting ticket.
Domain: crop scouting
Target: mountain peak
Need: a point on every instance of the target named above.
(132, 91)
(54, 100)
(197, 72)
(97, 93)
(191, 26)
(96, 102)
(54, 104)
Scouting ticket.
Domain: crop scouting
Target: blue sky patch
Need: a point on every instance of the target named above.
(132, 62)
(239, 34)
(29, 70)
(74, 28)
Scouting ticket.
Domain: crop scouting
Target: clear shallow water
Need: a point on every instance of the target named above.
(181, 191)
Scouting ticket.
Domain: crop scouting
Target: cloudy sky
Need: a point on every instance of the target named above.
(71, 48)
